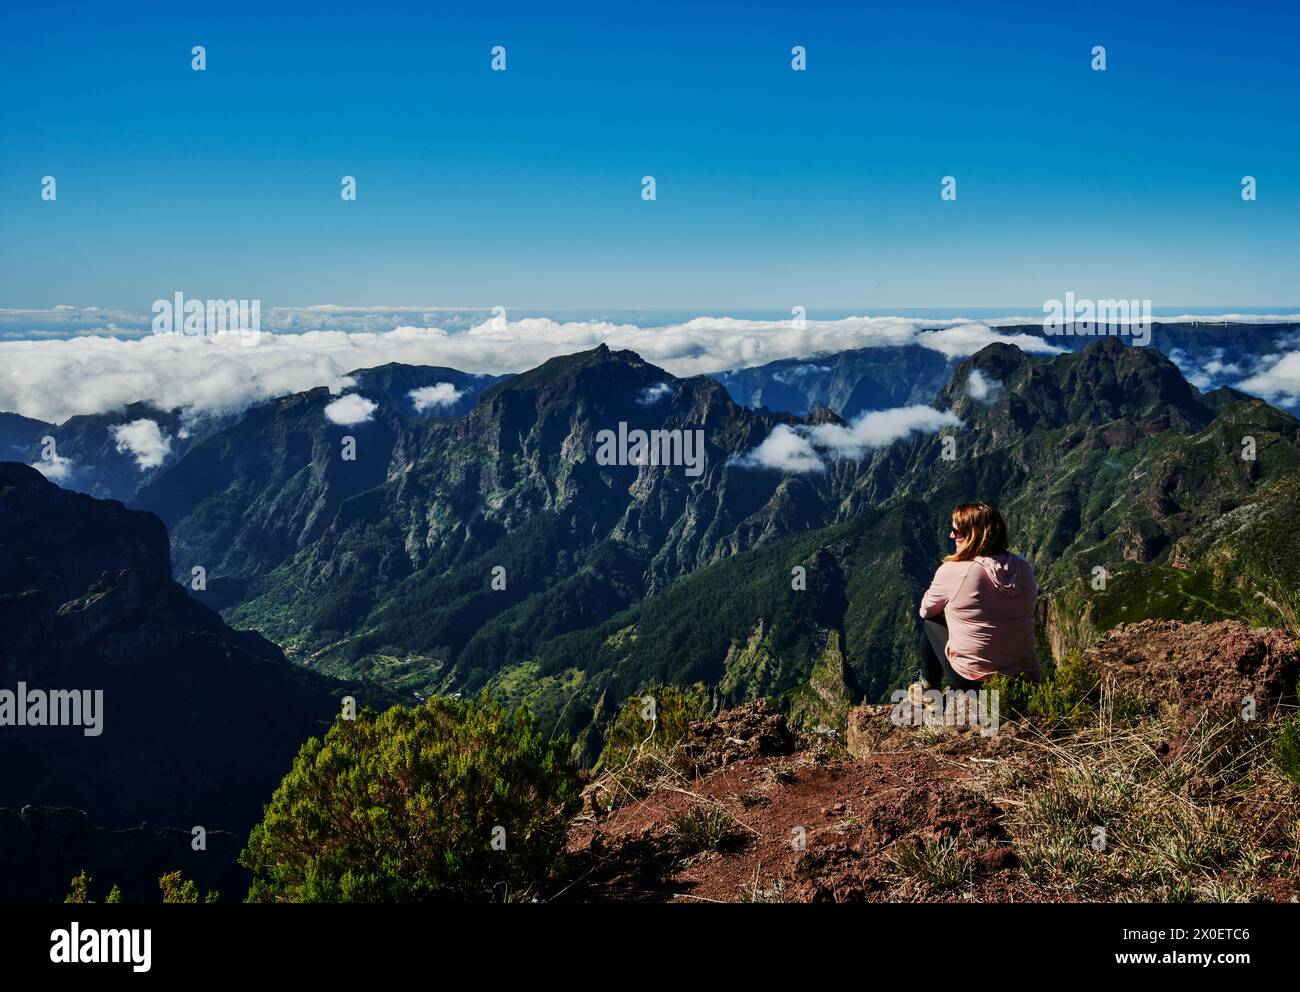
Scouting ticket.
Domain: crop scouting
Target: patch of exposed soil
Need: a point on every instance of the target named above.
(802, 829)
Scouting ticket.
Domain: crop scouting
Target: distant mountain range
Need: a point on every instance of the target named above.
(93, 455)
(1211, 354)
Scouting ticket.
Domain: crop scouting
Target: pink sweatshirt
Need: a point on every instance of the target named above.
(989, 606)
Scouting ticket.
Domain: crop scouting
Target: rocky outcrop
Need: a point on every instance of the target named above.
(802, 829)
(823, 703)
(748, 731)
(1223, 668)
(903, 814)
(868, 727)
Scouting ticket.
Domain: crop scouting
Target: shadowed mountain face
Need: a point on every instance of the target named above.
(107, 455)
(196, 723)
(20, 437)
(116, 455)
(493, 548)
(42, 848)
(848, 382)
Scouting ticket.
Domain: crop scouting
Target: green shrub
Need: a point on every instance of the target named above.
(453, 800)
(80, 891)
(174, 888)
(177, 889)
(1286, 749)
(645, 737)
(1067, 694)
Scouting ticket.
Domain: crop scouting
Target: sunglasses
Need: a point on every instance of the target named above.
(956, 534)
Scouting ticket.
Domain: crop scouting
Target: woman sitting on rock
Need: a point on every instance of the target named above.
(978, 614)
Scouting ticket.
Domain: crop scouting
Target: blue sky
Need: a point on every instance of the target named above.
(775, 188)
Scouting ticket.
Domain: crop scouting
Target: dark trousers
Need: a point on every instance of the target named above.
(935, 668)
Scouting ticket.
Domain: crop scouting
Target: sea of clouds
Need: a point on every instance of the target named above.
(51, 378)
(58, 363)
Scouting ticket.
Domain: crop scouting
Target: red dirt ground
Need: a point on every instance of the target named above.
(854, 815)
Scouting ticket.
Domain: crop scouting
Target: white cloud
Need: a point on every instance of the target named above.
(66, 364)
(1217, 319)
(1216, 366)
(799, 372)
(966, 339)
(145, 440)
(1277, 380)
(981, 388)
(1188, 368)
(440, 394)
(350, 409)
(784, 450)
(653, 394)
(798, 449)
(56, 468)
(1212, 369)
(54, 379)
(879, 428)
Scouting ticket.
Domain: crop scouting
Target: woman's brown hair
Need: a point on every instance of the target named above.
(983, 531)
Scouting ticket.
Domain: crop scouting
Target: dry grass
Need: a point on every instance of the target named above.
(778, 773)
(937, 865)
(1105, 813)
(754, 892)
(704, 826)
